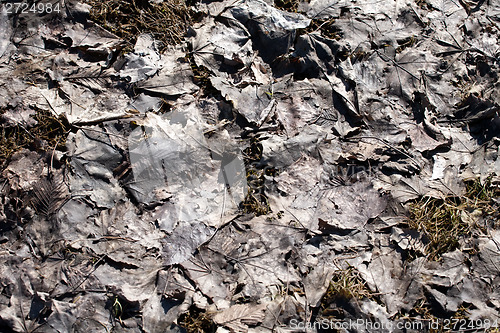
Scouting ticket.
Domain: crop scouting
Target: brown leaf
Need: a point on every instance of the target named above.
(50, 194)
(239, 316)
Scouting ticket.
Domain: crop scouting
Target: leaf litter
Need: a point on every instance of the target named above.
(340, 161)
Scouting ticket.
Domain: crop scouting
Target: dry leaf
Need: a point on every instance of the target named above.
(239, 316)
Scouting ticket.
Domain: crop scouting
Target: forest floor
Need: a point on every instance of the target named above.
(250, 166)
